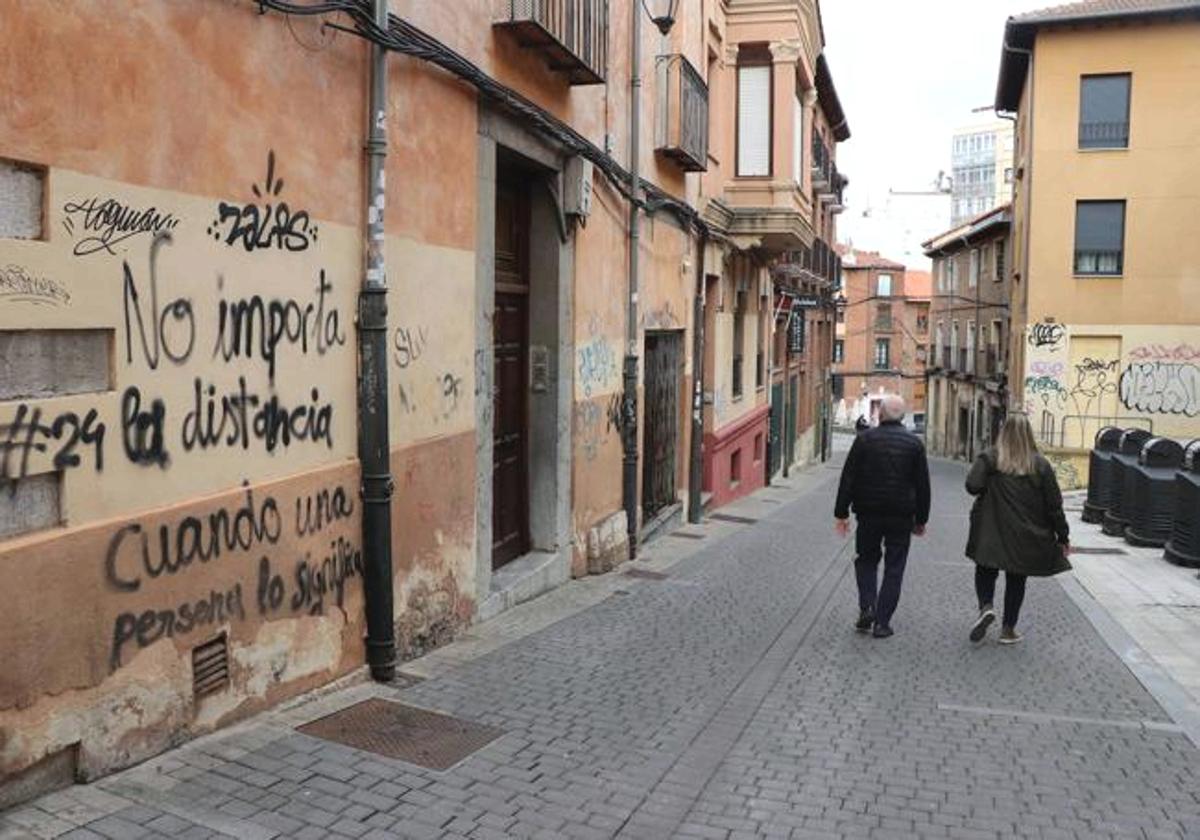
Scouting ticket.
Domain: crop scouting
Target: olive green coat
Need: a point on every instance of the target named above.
(1017, 521)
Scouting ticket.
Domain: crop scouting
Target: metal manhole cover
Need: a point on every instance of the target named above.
(1088, 549)
(687, 535)
(645, 573)
(427, 739)
(729, 517)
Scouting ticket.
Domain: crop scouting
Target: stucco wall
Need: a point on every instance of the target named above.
(206, 239)
(1080, 377)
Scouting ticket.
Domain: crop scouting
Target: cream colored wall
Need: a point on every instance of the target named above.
(727, 408)
(1157, 176)
(163, 305)
(1080, 377)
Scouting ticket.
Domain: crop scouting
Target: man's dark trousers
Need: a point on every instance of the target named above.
(895, 534)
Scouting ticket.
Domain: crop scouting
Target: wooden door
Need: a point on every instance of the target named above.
(510, 335)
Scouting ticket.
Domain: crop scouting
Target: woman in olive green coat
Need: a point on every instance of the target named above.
(1017, 524)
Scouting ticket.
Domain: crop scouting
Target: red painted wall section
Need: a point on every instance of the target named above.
(742, 445)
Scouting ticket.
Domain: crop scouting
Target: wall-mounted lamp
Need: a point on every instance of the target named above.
(662, 13)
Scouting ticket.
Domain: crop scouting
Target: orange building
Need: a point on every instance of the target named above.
(882, 341)
(214, 312)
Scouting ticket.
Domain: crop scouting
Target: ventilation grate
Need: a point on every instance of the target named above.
(395, 730)
(210, 666)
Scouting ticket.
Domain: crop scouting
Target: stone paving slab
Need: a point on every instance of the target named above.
(730, 700)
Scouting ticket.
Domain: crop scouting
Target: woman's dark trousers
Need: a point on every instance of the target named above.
(895, 534)
(1014, 592)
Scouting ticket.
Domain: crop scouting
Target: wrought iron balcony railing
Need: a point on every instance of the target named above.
(572, 34)
(1099, 262)
(1103, 135)
(682, 129)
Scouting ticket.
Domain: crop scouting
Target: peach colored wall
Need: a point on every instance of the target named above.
(218, 100)
(208, 90)
(119, 604)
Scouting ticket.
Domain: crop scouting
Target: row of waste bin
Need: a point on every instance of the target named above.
(1147, 490)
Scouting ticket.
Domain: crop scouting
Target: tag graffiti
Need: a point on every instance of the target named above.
(1162, 388)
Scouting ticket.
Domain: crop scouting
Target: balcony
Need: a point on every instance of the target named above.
(682, 129)
(822, 163)
(837, 204)
(572, 35)
(1103, 135)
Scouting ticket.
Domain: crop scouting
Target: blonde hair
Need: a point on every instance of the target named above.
(1016, 450)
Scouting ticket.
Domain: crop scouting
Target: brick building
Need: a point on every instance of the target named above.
(882, 337)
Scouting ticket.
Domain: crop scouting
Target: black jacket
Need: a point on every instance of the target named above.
(886, 474)
(1017, 521)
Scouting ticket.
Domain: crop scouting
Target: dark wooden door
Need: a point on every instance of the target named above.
(664, 366)
(510, 335)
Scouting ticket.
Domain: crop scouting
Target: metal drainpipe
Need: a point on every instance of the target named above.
(629, 403)
(696, 473)
(373, 445)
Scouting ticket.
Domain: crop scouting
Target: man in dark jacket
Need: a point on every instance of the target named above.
(885, 481)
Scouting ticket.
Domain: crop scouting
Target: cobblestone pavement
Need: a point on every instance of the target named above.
(730, 700)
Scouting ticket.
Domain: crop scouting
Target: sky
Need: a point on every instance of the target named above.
(907, 73)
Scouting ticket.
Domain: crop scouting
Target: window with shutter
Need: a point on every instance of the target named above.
(754, 121)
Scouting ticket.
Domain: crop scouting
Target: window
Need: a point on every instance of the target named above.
(1104, 111)
(754, 120)
(969, 367)
(735, 467)
(940, 350)
(839, 351)
(883, 316)
(922, 323)
(1008, 175)
(950, 273)
(883, 352)
(999, 262)
(739, 341)
(1099, 237)
(883, 287)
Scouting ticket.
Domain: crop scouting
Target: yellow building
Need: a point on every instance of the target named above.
(1106, 255)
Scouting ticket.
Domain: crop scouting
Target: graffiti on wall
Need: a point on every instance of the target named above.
(597, 366)
(266, 221)
(423, 387)
(596, 423)
(1048, 337)
(99, 225)
(19, 285)
(238, 337)
(317, 575)
(1075, 398)
(1162, 387)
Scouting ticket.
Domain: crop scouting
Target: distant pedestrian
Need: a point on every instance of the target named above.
(861, 425)
(1017, 524)
(885, 481)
